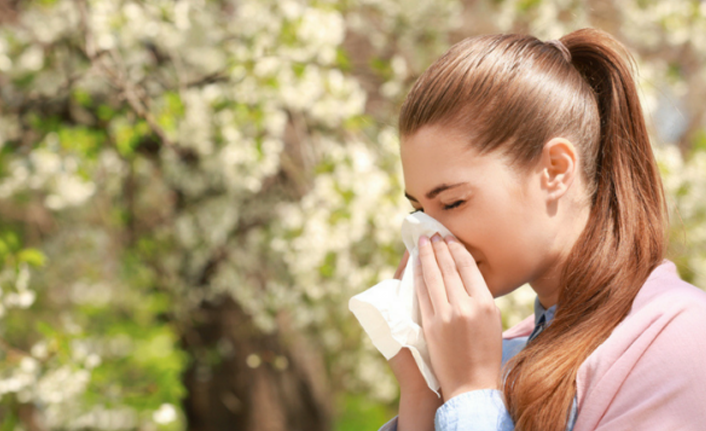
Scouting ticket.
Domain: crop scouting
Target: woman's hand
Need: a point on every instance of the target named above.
(418, 404)
(403, 366)
(462, 325)
(400, 268)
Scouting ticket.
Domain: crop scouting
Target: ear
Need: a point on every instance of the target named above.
(559, 164)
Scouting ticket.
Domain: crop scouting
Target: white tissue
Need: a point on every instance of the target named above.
(389, 312)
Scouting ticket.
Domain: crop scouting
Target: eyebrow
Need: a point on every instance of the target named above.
(435, 191)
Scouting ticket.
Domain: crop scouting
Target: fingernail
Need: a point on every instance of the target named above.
(436, 238)
(449, 239)
(423, 240)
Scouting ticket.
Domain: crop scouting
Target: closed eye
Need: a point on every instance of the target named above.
(453, 205)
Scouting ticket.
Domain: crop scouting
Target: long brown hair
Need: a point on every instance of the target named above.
(513, 93)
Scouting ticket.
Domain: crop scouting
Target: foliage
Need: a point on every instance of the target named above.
(160, 155)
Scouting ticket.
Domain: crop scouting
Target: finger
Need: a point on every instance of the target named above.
(432, 275)
(468, 270)
(425, 307)
(401, 267)
(455, 291)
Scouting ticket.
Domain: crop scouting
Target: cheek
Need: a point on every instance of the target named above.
(464, 227)
(504, 242)
(481, 225)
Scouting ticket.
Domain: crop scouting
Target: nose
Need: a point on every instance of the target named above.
(437, 215)
(442, 218)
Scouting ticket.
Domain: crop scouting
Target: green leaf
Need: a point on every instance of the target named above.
(32, 256)
(83, 140)
(128, 136)
(83, 98)
(699, 143)
(105, 112)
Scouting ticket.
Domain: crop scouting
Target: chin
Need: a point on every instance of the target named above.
(498, 289)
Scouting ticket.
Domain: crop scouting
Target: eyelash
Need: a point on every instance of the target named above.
(446, 207)
(453, 205)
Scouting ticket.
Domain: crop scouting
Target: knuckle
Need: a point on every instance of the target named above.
(425, 252)
(455, 245)
(469, 309)
(465, 262)
(438, 245)
(447, 267)
(463, 314)
(446, 317)
(488, 308)
(431, 278)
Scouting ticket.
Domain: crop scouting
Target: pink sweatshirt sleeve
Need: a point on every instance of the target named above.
(650, 374)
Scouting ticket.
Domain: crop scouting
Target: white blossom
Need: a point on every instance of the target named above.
(165, 414)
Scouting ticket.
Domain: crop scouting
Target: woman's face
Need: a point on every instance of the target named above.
(500, 214)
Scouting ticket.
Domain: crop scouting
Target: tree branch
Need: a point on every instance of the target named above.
(135, 95)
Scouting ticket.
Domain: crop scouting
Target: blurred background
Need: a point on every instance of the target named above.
(191, 190)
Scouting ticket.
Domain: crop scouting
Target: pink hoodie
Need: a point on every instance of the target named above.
(650, 374)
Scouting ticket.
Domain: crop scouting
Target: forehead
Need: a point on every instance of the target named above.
(435, 154)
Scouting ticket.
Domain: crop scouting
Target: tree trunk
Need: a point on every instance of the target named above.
(264, 382)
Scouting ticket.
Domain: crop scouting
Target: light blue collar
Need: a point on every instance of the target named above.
(540, 312)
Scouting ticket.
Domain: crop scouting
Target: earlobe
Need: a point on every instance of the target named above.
(559, 167)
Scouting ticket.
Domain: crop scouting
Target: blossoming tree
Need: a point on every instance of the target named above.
(191, 190)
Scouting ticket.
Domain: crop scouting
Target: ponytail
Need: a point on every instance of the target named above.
(623, 241)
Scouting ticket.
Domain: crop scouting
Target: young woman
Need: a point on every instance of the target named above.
(536, 157)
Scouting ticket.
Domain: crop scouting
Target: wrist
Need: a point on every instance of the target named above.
(417, 389)
(417, 409)
(406, 372)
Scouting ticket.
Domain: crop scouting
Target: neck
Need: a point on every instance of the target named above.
(547, 287)
(547, 284)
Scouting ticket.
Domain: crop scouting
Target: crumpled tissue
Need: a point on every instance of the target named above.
(389, 311)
